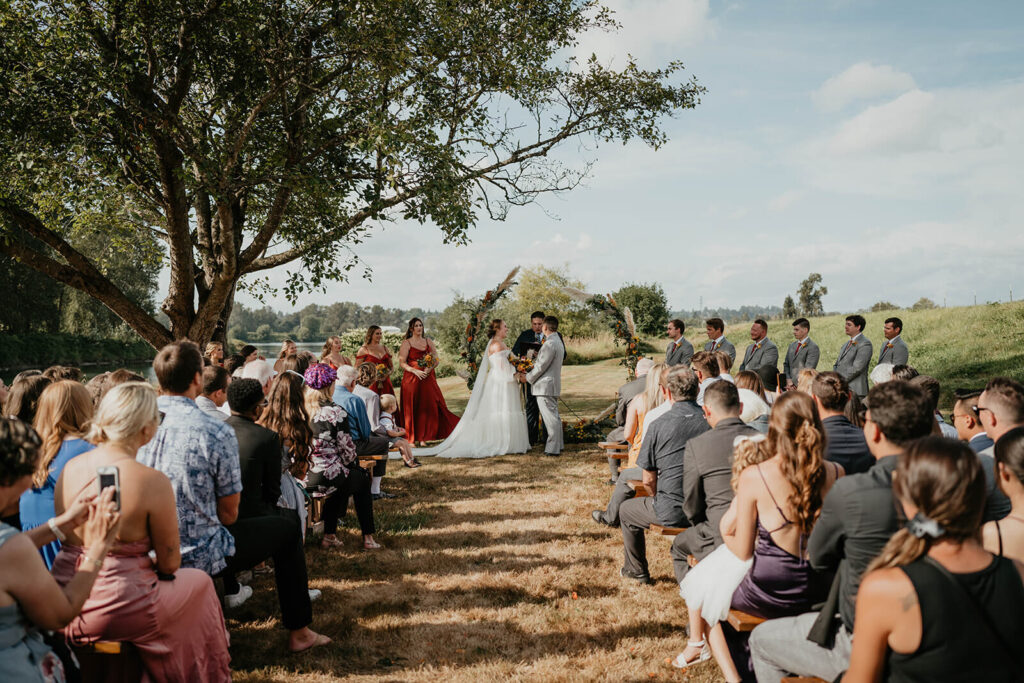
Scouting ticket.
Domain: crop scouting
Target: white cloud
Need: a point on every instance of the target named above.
(862, 81)
(651, 30)
(785, 200)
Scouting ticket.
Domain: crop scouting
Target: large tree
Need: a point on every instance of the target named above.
(252, 134)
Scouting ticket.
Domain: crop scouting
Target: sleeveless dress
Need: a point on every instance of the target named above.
(177, 626)
(23, 654)
(779, 584)
(424, 411)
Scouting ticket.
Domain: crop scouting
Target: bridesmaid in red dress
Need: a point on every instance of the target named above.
(426, 415)
(373, 351)
(332, 355)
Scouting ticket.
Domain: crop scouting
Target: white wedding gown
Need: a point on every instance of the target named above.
(494, 422)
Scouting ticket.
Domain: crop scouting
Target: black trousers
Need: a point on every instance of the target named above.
(258, 539)
(375, 445)
(532, 413)
(357, 485)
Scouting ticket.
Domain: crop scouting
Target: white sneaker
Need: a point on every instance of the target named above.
(314, 594)
(239, 598)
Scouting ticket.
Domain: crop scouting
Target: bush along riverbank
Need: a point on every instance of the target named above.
(38, 350)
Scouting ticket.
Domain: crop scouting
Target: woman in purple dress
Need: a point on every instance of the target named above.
(778, 501)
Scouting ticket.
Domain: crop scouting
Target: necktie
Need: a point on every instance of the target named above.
(538, 335)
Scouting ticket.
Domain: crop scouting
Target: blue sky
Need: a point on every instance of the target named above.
(879, 143)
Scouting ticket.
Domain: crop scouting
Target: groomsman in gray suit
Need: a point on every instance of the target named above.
(546, 378)
(762, 351)
(855, 356)
(679, 351)
(716, 337)
(803, 353)
(895, 350)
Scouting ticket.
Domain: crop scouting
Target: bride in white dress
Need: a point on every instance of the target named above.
(494, 422)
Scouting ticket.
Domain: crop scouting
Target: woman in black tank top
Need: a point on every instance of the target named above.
(934, 605)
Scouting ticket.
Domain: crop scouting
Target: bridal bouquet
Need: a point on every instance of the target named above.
(382, 374)
(521, 363)
(426, 362)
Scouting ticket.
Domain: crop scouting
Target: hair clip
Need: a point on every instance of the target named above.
(921, 526)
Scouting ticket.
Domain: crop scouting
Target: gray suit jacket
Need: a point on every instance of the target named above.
(707, 471)
(546, 376)
(754, 358)
(726, 346)
(899, 354)
(679, 355)
(806, 358)
(853, 363)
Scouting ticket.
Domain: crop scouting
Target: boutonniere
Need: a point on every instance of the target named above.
(888, 346)
(853, 343)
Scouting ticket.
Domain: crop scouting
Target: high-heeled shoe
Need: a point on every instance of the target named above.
(702, 656)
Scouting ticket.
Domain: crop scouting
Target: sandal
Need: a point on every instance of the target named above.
(702, 656)
(372, 545)
(330, 542)
(415, 463)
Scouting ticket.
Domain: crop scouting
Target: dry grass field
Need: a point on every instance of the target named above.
(493, 570)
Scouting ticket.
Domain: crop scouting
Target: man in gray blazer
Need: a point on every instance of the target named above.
(679, 351)
(546, 380)
(762, 351)
(855, 356)
(716, 337)
(894, 350)
(707, 473)
(803, 353)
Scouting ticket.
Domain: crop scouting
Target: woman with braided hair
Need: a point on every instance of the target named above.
(778, 500)
(935, 605)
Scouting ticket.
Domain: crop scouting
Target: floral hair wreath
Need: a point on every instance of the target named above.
(320, 376)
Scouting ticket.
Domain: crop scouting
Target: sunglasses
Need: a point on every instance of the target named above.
(977, 410)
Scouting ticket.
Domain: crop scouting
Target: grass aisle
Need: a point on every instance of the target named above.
(493, 570)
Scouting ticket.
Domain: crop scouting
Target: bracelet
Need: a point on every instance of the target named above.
(96, 563)
(52, 523)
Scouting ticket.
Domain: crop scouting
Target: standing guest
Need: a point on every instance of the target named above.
(333, 459)
(855, 356)
(32, 601)
(366, 441)
(374, 353)
(724, 366)
(967, 424)
(288, 348)
(367, 376)
(65, 409)
(894, 350)
(530, 341)
(286, 415)
(426, 415)
(176, 625)
(931, 387)
(715, 328)
(331, 353)
(214, 353)
(679, 350)
(845, 443)
(1005, 536)
(705, 368)
(857, 519)
(623, 398)
(802, 353)
(23, 398)
(762, 351)
(962, 610)
(1000, 408)
(215, 391)
(661, 459)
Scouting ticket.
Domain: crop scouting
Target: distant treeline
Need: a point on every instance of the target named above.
(729, 315)
(42, 349)
(316, 322)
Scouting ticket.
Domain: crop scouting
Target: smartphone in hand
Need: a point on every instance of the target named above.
(109, 476)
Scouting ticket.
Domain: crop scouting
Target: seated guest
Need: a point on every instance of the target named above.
(388, 427)
(1005, 537)
(640, 407)
(250, 353)
(770, 379)
(804, 380)
(707, 469)
(1000, 408)
(724, 365)
(705, 368)
(215, 391)
(176, 625)
(962, 615)
(200, 456)
(626, 393)
(904, 372)
(298, 363)
(95, 387)
(857, 519)
(931, 388)
(23, 398)
(747, 379)
(366, 375)
(802, 354)
(967, 424)
(755, 411)
(286, 415)
(333, 459)
(762, 351)
(261, 371)
(234, 363)
(778, 502)
(844, 443)
(715, 328)
(65, 409)
(359, 427)
(214, 354)
(661, 459)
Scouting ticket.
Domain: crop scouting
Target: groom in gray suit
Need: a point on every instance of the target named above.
(855, 356)
(894, 350)
(679, 351)
(762, 351)
(546, 379)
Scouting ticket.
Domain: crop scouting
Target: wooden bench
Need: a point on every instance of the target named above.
(613, 450)
(368, 462)
(639, 489)
(662, 530)
(803, 679)
(743, 622)
(315, 500)
(108, 661)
